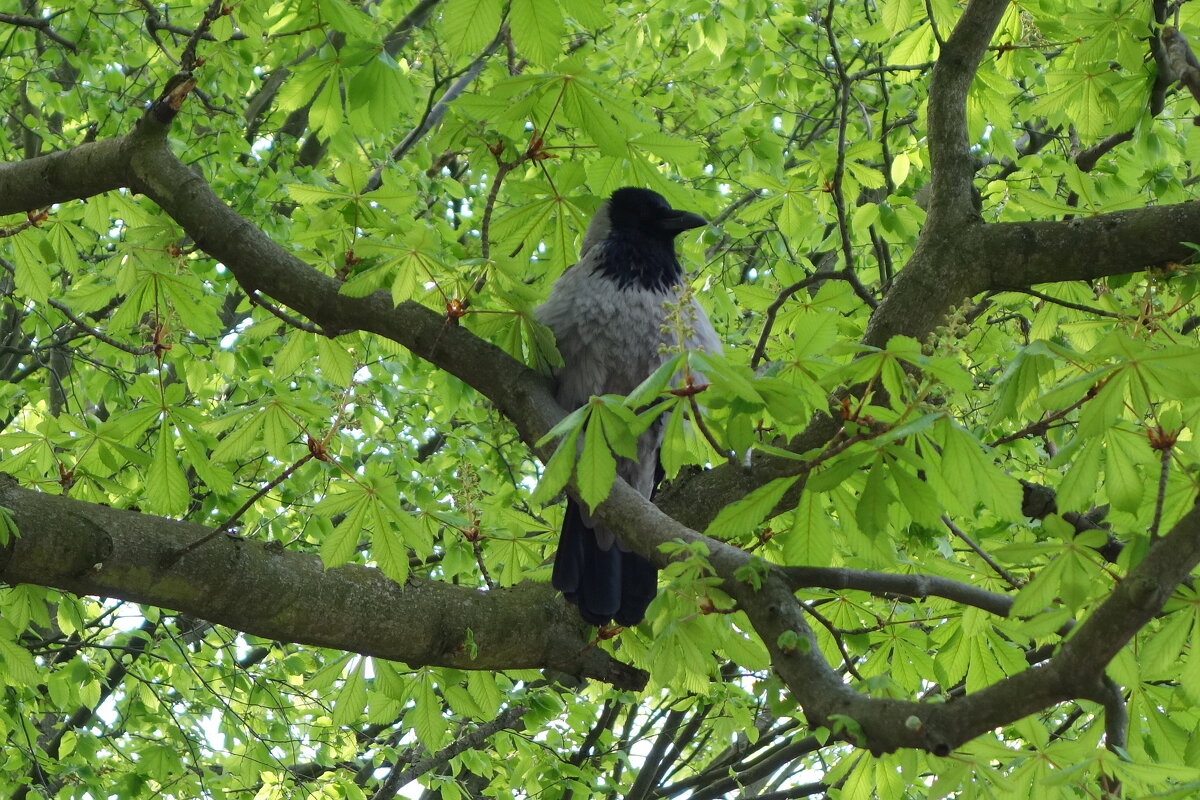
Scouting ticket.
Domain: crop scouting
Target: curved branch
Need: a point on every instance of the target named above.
(1077, 670)
(41, 25)
(915, 585)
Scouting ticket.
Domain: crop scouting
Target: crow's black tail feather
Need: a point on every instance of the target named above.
(607, 585)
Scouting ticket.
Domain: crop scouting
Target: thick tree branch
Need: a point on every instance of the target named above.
(951, 162)
(266, 590)
(75, 174)
(1022, 254)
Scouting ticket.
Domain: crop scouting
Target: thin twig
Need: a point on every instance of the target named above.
(698, 421)
(850, 277)
(225, 526)
(1040, 427)
(773, 310)
(437, 111)
(837, 639)
(991, 562)
(889, 68)
(1068, 304)
(937, 35)
(98, 334)
(510, 718)
(300, 324)
(1160, 500)
(839, 169)
(483, 570)
(187, 60)
(32, 219)
(485, 225)
(42, 26)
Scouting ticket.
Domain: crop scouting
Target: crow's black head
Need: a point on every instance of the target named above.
(639, 238)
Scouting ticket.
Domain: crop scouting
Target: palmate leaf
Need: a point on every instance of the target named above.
(874, 501)
(964, 464)
(389, 533)
(326, 113)
(1189, 675)
(382, 89)
(525, 224)
(1124, 481)
(557, 471)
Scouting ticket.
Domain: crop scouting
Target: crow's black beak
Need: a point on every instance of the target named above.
(680, 221)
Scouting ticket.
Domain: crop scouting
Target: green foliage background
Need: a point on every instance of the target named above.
(195, 397)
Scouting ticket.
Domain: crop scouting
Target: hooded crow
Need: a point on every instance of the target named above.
(607, 313)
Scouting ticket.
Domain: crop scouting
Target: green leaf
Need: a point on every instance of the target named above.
(743, 516)
(809, 542)
(470, 24)
(335, 361)
(1189, 676)
(352, 697)
(649, 390)
(17, 667)
(621, 428)
(874, 501)
(897, 14)
(346, 18)
(537, 30)
(584, 106)
(1039, 594)
(558, 470)
(166, 486)
(426, 715)
(8, 526)
(1123, 481)
(1078, 487)
(32, 276)
(571, 422)
(339, 546)
(813, 334)
(388, 542)
(915, 48)
(597, 468)
(963, 461)
(727, 377)
(918, 497)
